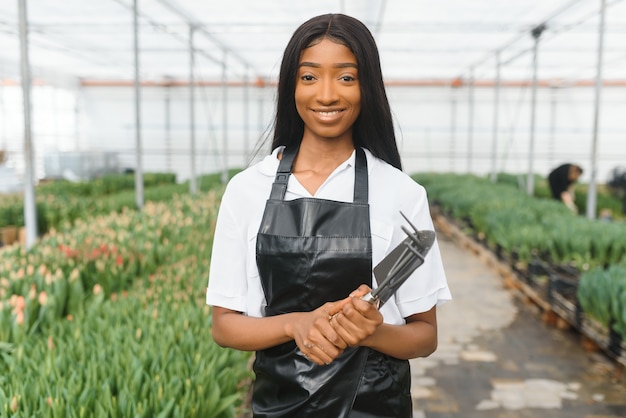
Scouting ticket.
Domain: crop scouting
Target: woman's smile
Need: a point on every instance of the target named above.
(327, 115)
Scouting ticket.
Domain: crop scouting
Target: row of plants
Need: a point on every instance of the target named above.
(57, 205)
(108, 318)
(103, 185)
(523, 228)
(602, 295)
(607, 198)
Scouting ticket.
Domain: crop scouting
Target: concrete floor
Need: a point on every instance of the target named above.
(498, 359)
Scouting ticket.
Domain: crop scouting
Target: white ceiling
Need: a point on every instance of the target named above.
(419, 40)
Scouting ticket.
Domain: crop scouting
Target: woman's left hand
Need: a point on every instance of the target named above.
(357, 319)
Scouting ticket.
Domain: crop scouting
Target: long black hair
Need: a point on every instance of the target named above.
(373, 129)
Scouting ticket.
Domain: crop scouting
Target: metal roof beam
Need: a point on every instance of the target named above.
(201, 28)
(523, 34)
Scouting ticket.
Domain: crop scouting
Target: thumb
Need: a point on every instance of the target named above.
(335, 307)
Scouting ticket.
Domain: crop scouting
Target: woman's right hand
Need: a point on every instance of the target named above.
(315, 336)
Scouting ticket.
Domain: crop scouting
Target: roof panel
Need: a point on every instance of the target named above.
(418, 39)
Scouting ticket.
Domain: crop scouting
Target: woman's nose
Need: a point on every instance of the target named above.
(327, 92)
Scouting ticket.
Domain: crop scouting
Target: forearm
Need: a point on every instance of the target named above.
(414, 339)
(241, 332)
(360, 323)
(567, 197)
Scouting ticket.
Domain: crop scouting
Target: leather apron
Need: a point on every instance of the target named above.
(311, 251)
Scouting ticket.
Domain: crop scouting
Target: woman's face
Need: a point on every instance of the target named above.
(328, 96)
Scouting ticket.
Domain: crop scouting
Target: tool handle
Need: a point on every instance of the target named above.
(371, 299)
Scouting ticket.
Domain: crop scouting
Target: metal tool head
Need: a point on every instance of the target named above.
(400, 263)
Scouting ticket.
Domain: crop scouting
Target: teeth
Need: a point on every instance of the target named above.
(334, 112)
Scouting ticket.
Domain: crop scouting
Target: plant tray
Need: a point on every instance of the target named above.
(606, 338)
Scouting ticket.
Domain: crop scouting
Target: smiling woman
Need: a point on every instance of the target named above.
(288, 272)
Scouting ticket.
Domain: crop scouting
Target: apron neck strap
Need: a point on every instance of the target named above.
(279, 188)
(360, 177)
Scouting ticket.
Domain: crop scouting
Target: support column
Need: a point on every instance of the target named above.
(30, 208)
(193, 185)
(470, 121)
(592, 191)
(496, 123)
(246, 115)
(138, 148)
(530, 178)
(224, 119)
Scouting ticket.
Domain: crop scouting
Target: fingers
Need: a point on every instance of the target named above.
(322, 354)
(361, 291)
(335, 326)
(356, 321)
(334, 307)
(322, 344)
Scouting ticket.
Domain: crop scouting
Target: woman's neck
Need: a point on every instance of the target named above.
(316, 161)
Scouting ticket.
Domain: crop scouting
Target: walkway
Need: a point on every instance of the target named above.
(497, 359)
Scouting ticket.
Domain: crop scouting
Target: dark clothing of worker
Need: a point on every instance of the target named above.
(560, 180)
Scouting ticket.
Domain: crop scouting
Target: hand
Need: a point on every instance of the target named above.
(315, 337)
(356, 319)
(572, 207)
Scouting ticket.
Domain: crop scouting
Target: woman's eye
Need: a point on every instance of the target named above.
(347, 78)
(307, 78)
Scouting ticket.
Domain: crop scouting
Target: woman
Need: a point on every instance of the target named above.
(298, 233)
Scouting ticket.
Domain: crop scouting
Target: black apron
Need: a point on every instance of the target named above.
(311, 251)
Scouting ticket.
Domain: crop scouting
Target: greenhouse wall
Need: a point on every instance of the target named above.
(432, 125)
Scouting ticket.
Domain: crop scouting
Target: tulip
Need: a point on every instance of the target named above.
(19, 317)
(14, 404)
(97, 289)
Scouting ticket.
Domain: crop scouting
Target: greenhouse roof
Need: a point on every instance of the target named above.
(421, 41)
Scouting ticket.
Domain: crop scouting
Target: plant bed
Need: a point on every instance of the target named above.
(607, 339)
(537, 267)
(563, 286)
(552, 287)
(567, 309)
(86, 332)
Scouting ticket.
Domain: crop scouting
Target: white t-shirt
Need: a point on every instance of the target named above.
(234, 281)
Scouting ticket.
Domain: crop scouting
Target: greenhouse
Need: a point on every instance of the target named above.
(123, 122)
